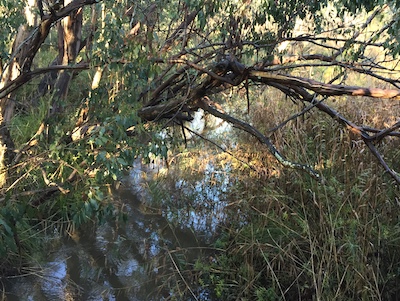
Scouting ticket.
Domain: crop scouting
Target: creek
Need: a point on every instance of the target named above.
(127, 261)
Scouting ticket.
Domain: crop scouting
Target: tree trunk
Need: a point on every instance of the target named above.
(69, 45)
(7, 104)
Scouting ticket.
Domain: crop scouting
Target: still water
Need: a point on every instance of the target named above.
(129, 261)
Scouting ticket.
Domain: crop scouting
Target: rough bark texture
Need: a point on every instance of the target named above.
(166, 101)
(69, 44)
(18, 70)
(7, 103)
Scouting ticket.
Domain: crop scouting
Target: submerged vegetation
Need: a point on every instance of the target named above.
(295, 149)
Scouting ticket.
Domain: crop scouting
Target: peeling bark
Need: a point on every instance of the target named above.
(18, 71)
(7, 103)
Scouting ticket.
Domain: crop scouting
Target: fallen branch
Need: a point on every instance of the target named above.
(44, 191)
(351, 127)
(375, 152)
(320, 87)
(202, 103)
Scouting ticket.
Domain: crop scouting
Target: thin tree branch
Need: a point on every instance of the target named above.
(28, 76)
(352, 127)
(376, 153)
(221, 148)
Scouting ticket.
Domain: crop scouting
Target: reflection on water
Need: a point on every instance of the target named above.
(123, 262)
(204, 205)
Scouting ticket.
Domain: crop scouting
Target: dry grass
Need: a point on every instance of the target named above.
(308, 241)
(287, 237)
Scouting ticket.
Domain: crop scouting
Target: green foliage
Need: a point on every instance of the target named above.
(285, 243)
(10, 19)
(63, 183)
(266, 294)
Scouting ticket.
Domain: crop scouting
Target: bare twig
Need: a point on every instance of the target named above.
(295, 116)
(385, 132)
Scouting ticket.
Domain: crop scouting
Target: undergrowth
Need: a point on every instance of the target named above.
(286, 236)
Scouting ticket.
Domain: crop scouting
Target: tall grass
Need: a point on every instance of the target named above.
(288, 237)
(303, 240)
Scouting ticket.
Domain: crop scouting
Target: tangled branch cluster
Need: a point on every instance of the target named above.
(193, 76)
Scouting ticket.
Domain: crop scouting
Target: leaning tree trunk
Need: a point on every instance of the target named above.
(24, 48)
(7, 104)
(17, 72)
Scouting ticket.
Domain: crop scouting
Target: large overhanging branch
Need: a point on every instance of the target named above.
(362, 132)
(202, 103)
(317, 60)
(24, 78)
(322, 88)
(230, 72)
